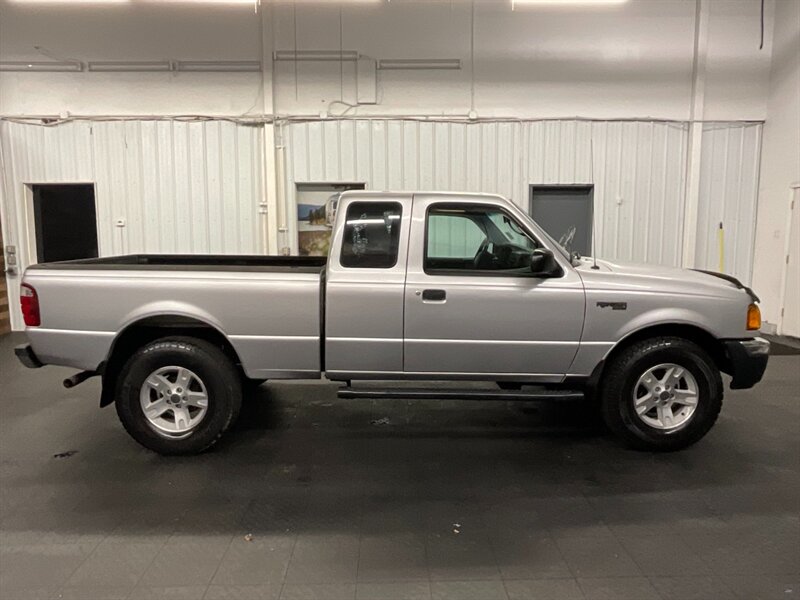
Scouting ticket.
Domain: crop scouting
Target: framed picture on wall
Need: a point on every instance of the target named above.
(313, 229)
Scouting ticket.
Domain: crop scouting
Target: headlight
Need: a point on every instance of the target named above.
(753, 317)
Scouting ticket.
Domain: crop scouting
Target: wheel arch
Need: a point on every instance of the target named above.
(148, 329)
(693, 333)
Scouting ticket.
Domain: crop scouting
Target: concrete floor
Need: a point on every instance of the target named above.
(446, 500)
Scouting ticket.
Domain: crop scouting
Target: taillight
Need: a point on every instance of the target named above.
(30, 305)
(753, 317)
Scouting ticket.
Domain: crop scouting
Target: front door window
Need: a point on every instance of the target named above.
(476, 239)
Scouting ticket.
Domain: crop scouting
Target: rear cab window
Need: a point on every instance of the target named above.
(371, 235)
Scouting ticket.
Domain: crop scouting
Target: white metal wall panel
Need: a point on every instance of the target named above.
(729, 169)
(179, 187)
(790, 279)
(638, 168)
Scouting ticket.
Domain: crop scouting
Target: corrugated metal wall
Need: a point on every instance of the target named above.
(638, 169)
(728, 195)
(190, 187)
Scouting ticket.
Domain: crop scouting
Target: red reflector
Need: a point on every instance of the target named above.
(30, 305)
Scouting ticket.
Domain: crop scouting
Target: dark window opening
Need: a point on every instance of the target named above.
(65, 219)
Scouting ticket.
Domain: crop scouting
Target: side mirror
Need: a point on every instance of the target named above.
(543, 263)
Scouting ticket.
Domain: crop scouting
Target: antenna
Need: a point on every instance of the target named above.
(594, 229)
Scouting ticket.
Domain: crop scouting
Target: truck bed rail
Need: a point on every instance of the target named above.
(190, 262)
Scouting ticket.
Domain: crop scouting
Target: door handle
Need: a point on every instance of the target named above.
(434, 295)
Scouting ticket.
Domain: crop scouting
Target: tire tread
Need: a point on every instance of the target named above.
(619, 370)
(205, 351)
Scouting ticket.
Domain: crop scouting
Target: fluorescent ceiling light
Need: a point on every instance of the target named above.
(126, 66)
(334, 2)
(41, 66)
(315, 55)
(244, 2)
(564, 2)
(419, 63)
(70, 2)
(218, 65)
(239, 2)
(250, 2)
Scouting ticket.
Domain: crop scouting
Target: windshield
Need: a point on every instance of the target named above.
(510, 231)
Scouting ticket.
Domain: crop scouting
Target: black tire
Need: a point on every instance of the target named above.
(624, 370)
(217, 372)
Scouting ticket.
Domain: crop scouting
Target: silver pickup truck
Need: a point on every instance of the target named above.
(418, 286)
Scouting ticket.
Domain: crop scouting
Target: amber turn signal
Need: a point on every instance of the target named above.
(753, 317)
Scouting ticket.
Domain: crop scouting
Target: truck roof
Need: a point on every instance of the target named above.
(387, 193)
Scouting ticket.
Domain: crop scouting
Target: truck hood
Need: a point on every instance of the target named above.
(659, 278)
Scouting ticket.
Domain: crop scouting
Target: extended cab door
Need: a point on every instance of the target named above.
(472, 306)
(365, 283)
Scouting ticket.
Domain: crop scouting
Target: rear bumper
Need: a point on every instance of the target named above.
(27, 356)
(748, 361)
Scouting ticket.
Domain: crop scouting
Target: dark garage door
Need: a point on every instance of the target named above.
(565, 212)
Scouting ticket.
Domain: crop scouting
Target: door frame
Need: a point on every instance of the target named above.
(21, 223)
(589, 187)
(439, 337)
(29, 219)
(5, 294)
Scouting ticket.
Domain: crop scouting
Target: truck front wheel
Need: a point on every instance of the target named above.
(178, 395)
(663, 393)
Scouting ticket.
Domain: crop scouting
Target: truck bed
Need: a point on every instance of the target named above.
(267, 307)
(190, 262)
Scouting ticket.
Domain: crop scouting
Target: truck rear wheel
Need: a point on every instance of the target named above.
(663, 393)
(178, 395)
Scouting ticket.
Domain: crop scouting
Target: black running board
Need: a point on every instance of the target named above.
(454, 394)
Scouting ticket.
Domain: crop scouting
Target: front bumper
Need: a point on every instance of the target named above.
(748, 361)
(27, 356)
